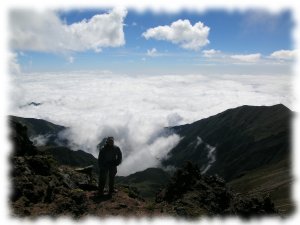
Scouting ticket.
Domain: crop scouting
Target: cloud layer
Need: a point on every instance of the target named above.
(181, 32)
(210, 53)
(284, 54)
(45, 32)
(249, 58)
(134, 109)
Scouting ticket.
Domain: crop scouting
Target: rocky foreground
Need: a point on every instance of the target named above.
(42, 187)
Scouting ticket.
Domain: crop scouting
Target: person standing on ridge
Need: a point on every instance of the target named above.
(110, 156)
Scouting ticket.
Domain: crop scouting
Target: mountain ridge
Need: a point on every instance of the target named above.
(38, 128)
(259, 134)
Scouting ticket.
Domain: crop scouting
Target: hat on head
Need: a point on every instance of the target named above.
(109, 139)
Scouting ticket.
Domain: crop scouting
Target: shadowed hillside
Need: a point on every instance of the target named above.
(38, 128)
(235, 141)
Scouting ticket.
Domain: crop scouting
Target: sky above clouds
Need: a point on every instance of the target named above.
(125, 41)
(128, 74)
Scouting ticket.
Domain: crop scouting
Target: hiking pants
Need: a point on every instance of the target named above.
(111, 171)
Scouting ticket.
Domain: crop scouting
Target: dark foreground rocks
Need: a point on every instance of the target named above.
(193, 194)
(50, 190)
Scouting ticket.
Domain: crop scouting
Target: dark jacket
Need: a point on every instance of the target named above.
(109, 156)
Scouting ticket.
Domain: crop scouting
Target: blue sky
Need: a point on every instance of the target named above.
(239, 33)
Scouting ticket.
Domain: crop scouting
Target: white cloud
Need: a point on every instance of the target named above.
(45, 32)
(181, 32)
(210, 53)
(250, 58)
(174, 119)
(284, 54)
(152, 52)
(40, 140)
(134, 109)
(13, 65)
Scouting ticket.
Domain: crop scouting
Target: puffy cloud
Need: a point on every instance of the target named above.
(40, 140)
(210, 53)
(284, 54)
(152, 52)
(45, 32)
(174, 119)
(135, 109)
(181, 32)
(250, 58)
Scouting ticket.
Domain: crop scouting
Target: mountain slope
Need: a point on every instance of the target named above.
(235, 141)
(40, 129)
(148, 182)
(275, 180)
(66, 156)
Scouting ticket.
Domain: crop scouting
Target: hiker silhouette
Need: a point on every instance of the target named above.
(110, 156)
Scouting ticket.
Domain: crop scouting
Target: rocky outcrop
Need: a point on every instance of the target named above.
(20, 141)
(192, 194)
(38, 129)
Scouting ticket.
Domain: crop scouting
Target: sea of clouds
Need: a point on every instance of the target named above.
(135, 109)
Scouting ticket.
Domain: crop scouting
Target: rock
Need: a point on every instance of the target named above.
(21, 143)
(133, 192)
(122, 205)
(87, 187)
(85, 170)
(181, 211)
(67, 181)
(40, 165)
(189, 190)
(34, 195)
(62, 204)
(49, 196)
(78, 196)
